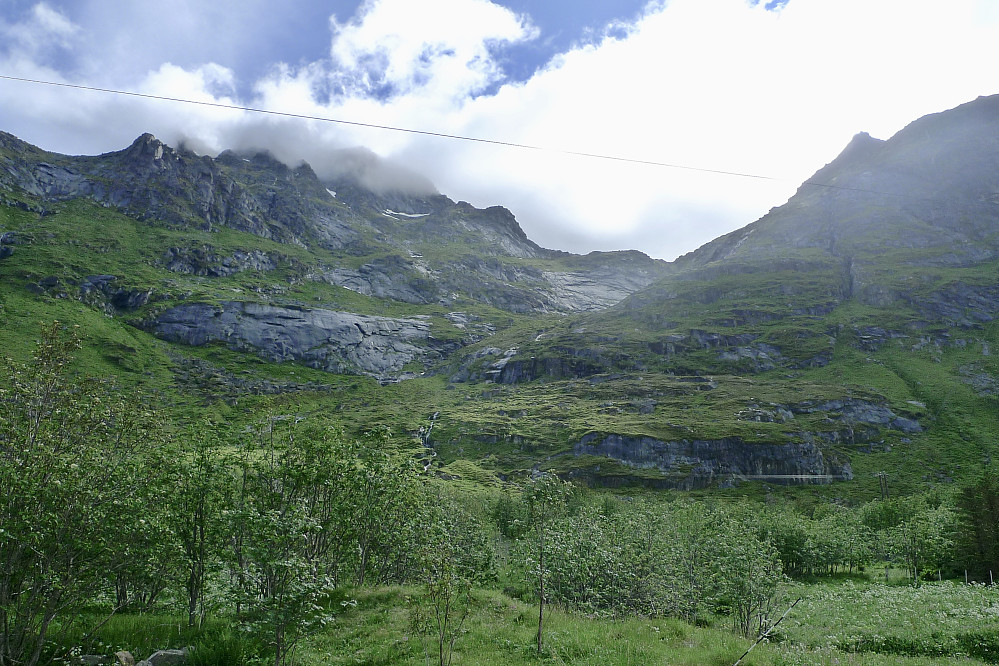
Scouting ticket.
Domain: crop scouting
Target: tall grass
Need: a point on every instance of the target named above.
(936, 619)
(847, 621)
(500, 632)
(139, 633)
(142, 634)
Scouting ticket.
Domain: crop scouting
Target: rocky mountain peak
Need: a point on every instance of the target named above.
(148, 148)
(931, 187)
(504, 220)
(265, 159)
(10, 141)
(861, 148)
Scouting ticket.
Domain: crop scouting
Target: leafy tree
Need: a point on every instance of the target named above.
(546, 497)
(924, 541)
(281, 586)
(385, 524)
(68, 466)
(978, 512)
(330, 480)
(747, 574)
(790, 533)
(202, 479)
(883, 518)
(508, 515)
(456, 553)
(834, 537)
(691, 539)
(583, 564)
(917, 532)
(147, 557)
(854, 537)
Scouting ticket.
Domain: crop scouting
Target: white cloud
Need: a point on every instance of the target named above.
(123, 41)
(37, 38)
(43, 28)
(439, 49)
(717, 85)
(712, 84)
(208, 83)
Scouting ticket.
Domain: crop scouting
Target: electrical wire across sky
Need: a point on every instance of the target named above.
(441, 135)
(355, 123)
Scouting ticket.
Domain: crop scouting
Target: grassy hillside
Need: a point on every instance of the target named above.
(846, 334)
(626, 371)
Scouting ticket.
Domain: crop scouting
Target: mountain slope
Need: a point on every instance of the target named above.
(847, 333)
(858, 318)
(272, 250)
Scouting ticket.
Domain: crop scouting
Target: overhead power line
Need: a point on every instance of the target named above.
(441, 135)
(390, 128)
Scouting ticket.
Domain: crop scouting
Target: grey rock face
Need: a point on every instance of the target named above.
(388, 277)
(854, 412)
(100, 290)
(501, 230)
(759, 357)
(690, 464)
(7, 241)
(258, 194)
(565, 364)
(130, 299)
(583, 292)
(152, 181)
(984, 383)
(204, 261)
(490, 281)
(770, 413)
(322, 339)
(211, 382)
(962, 305)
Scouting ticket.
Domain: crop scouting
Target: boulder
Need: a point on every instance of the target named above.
(124, 658)
(91, 660)
(95, 283)
(166, 658)
(130, 299)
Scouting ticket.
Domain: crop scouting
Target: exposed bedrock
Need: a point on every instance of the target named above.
(689, 464)
(323, 339)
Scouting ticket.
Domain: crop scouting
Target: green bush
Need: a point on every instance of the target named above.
(982, 645)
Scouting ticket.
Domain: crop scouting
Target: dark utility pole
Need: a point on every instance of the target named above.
(883, 479)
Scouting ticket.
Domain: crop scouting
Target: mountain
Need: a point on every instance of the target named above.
(847, 334)
(293, 243)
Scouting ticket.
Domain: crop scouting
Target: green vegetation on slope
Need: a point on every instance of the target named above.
(290, 541)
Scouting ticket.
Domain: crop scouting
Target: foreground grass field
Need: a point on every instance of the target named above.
(848, 621)
(825, 628)
(935, 619)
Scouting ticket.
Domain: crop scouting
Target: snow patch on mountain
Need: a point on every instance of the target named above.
(391, 213)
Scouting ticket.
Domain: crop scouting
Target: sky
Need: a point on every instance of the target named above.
(772, 89)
